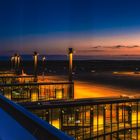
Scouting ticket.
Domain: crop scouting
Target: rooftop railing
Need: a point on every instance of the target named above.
(38, 128)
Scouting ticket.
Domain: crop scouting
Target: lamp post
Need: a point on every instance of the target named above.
(18, 63)
(43, 66)
(71, 88)
(43, 63)
(70, 63)
(15, 60)
(35, 65)
(12, 62)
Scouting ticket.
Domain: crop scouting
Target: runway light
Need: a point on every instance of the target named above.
(47, 112)
(44, 58)
(77, 121)
(63, 111)
(91, 108)
(77, 110)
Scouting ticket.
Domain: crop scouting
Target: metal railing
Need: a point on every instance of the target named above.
(40, 129)
(91, 118)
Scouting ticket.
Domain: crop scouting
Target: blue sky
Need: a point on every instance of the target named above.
(51, 26)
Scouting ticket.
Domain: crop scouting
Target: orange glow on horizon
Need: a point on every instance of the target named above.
(82, 44)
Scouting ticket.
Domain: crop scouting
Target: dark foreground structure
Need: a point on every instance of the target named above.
(25, 125)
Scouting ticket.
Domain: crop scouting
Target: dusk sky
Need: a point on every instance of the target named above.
(101, 28)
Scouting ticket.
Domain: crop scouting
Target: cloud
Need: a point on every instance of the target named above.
(121, 46)
(135, 46)
(118, 46)
(115, 46)
(96, 47)
(89, 51)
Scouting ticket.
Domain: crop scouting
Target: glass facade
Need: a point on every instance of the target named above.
(111, 121)
(29, 92)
